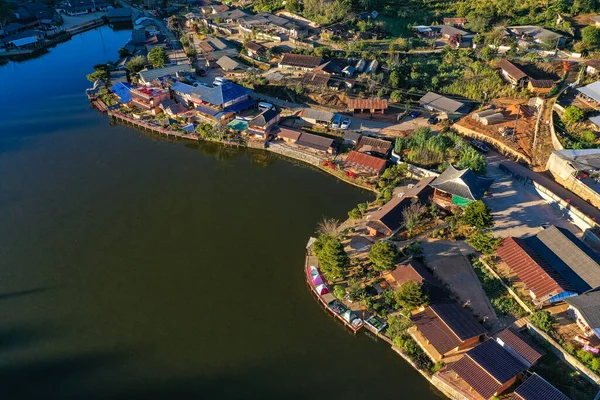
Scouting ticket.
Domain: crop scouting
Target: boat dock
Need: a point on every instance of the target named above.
(325, 299)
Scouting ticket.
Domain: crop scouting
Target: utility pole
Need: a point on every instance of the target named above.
(514, 135)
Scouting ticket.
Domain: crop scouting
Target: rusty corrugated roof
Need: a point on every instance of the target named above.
(365, 162)
(541, 279)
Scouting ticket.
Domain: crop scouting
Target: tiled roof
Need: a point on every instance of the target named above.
(446, 325)
(537, 388)
(496, 361)
(390, 215)
(459, 320)
(365, 162)
(367, 144)
(487, 367)
(520, 346)
(264, 118)
(534, 271)
(511, 69)
(477, 378)
(462, 182)
(300, 60)
(412, 270)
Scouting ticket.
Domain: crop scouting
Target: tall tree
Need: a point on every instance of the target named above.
(157, 57)
(478, 215)
(410, 295)
(333, 259)
(382, 255)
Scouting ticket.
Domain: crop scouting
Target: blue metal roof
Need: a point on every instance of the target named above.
(242, 105)
(122, 89)
(182, 88)
(219, 95)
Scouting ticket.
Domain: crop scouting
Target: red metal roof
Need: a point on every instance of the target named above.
(541, 279)
(365, 162)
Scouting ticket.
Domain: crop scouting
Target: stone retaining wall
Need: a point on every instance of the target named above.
(563, 355)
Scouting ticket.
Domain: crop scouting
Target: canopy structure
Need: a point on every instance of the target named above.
(313, 271)
(317, 280)
(322, 289)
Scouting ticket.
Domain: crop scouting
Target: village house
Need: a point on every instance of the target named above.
(411, 270)
(456, 21)
(262, 124)
(148, 98)
(592, 67)
(286, 134)
(520, 348)
(540, 86)
(512, 74)
(119, 15)
(537, 388)
(337, 31)
(364, 164)
(590, 94)
(487, 369)
(172, 108)
(456, 37)
(447, 107)
(374, 147)
(528, 34)
(269, 24)
(445, 329)
(373, 106)
(256, 51)
(299, 62)
(554, 265)
(149, 75)
(229, 64)
(459, 186)
(314, 142)
(36, 13)
(215, 102)
(317, 79)
(585, 310)
(576, 169)
(314, 116)
(79, 7)
(388, 219)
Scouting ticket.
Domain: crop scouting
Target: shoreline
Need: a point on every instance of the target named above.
(131, 122)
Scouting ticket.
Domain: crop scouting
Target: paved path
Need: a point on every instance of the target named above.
(547, 182)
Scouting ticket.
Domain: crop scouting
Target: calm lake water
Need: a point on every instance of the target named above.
(132, 267)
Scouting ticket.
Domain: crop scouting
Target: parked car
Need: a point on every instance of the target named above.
(433, 120)
(337, 120)
(345, 123)
(479, 146)
(415, 113)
